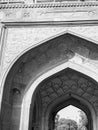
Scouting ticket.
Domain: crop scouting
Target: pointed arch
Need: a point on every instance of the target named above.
(74, 100)
(44, 41)
(32, 85)
(28, 96)
(38, 44)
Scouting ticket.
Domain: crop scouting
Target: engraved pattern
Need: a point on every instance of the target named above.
(18, 42)
(49, 5)
(69, 81)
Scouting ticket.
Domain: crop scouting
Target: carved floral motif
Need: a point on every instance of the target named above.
(69, 81)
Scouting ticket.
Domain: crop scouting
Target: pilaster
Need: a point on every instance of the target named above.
(2, 39)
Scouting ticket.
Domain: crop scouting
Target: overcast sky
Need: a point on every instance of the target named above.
(70, 112)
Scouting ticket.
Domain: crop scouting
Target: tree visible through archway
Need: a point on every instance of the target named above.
(71, 118)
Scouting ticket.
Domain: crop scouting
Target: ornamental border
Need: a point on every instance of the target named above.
(49, 5)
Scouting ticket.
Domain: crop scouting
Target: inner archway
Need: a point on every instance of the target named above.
(67, 87)
(66, 103)
(71, 118)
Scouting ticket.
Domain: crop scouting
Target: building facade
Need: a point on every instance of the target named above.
(48, 60)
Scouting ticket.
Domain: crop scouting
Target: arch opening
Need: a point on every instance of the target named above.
(53, 96)
(76, 103)
(70, 118)
(77, 111)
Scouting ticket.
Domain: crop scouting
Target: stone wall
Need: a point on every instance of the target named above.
(35, 38)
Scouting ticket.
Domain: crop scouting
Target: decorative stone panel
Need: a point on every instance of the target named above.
(51, 11)
(68, 82)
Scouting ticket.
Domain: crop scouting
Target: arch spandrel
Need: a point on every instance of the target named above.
(11, 54)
